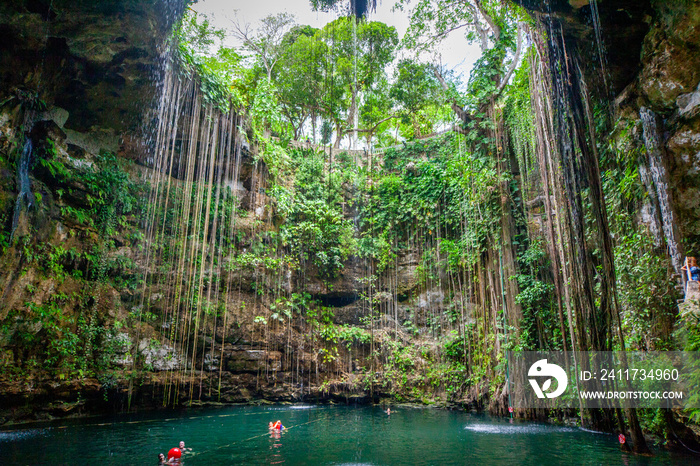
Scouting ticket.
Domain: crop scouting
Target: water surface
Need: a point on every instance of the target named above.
(325, 435)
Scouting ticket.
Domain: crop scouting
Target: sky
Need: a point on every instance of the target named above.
(454, 52)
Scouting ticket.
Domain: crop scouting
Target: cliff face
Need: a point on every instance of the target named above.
(651, 62)
(79, 81)
(668, 84)
(76, 80)
(95, 60)
(79, 93)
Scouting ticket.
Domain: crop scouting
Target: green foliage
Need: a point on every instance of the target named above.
(434, 193)
(420, 96)
(48, 334)
(689, 336)
(195, 37)
(646, 292)
(299, 78)
(347, 334)
(319, 233)
(539, 328)
(314, 228)
(223, 78)
(113, 196)
(265, 111)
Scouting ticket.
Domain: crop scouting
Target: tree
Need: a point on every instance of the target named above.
(195, 34)
(358, 8)
(299, 77)
(377, 110)
(224, 80)
(491, 24)
(416, 89)
(267, 41)
(358, 54)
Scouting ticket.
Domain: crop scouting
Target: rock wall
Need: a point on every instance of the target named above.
(652, 58)
(669, 84)
(78, 79)
(80, 73)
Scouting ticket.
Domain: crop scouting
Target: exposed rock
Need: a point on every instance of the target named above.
(160, 356)
(345, 286)
(691, 304)
(689, 104)
(96, 58)
(624, 24)
(56, 114)
(253, 360)
(684, 145)
(407, 277)
(94, 141)
(349, 314)
(430, 299)
(670, 55)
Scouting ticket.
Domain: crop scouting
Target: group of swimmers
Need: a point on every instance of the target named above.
(174, 454)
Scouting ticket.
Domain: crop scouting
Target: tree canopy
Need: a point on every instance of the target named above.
(356, 75)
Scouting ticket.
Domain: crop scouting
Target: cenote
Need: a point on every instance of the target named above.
(316, 435)
(246, 205)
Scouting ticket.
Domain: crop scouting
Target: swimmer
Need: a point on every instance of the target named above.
(182, 447)
(162, 460)
(388, 411)
(270, 425)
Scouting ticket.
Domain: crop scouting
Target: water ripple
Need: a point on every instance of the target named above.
(15, 435)
(516, 429)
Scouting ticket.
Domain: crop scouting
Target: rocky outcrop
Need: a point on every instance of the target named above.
(670, 58)
(95, 60)
(624, 25)
(668, 83)
(653, 60)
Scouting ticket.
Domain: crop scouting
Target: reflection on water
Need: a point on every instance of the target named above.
(276, 456)
(525, 429)
(21, 434)
(321, 435)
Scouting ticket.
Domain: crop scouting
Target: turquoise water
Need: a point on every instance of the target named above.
(327, 435)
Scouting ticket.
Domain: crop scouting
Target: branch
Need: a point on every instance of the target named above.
(444, 33)
(492, 24)
(373, 128)
(536, 202)
(460, 129)
(244, 34)
(461, 113)
(514, 63)
(483, 37)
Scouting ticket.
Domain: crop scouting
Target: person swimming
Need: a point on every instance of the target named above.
(162, 460)
(183, 449)
(276, 426)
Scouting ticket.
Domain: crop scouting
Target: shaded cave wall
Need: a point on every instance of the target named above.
(652, 58)
(94, 64)
(78, 79)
